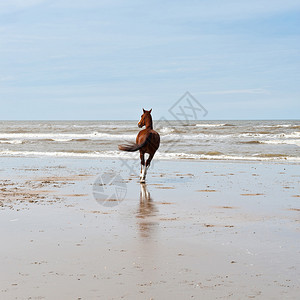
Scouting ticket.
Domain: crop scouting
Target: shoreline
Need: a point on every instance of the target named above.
(126, 156)
(221, 230)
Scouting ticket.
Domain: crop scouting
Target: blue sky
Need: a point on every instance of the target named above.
(72, 59)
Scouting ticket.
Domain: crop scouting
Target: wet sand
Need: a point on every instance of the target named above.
(87, 229)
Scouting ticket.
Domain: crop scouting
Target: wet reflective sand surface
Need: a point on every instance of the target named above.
(195, 230)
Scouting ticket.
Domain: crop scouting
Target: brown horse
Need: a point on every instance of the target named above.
(147, 141)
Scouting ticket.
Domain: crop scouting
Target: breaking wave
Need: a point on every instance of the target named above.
(164, 156)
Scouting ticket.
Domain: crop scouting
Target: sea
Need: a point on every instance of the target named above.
(270, 140)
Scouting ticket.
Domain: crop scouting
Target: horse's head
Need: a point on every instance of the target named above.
(146, 114)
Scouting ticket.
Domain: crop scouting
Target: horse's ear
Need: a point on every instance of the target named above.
(144, 111)
(150, 110)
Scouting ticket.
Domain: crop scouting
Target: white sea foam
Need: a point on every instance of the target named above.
(15, 142)
(270, 135)
(95, 154)
(62, 137)
(194, 137)
(100, 139)
(66, 136)
(210, 125)
(158, 156)
(224, 157)
(282, 142)
(228, 136)
(166, 135)
(295, 134)
(166, 130)
(107, 126)
(279, 126)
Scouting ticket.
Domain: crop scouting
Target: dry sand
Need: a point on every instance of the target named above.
(197, 230)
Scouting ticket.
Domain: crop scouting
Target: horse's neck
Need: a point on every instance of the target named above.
(148, 123)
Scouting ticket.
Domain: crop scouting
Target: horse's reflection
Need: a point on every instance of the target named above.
(146, 212)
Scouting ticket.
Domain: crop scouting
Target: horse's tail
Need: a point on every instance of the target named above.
(131, 147)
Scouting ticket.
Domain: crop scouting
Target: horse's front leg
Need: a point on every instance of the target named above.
(142, 175)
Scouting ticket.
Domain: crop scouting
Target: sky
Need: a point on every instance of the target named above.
(106, 60)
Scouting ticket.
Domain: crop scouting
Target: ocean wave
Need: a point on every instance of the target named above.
(109, 126)
(80, 140)
(14, 142)
(66, 136)
(268, 134)
(280, 142)
(271, 157)
(211, 125)
(71, 154)
(252, 142)
(256, 135)
(295, 134)
(295, 126)
(193, 137)
(262, 134)
(166, 130)
(213, 153)
(62, 140)
(158, 156)
(62, 137)
(167, 136)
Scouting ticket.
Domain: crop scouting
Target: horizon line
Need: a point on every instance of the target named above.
(179, 120)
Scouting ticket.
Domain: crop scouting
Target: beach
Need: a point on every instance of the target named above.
(206, 93)
(82, 228)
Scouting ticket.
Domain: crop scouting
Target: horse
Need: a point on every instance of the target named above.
(147, 141)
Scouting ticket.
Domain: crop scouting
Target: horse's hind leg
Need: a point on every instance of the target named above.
(145, 168)
(149, 160)
(142, 175)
